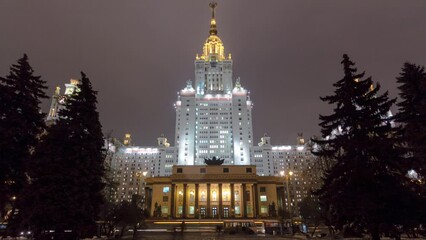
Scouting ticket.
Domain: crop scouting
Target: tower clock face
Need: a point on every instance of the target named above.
(62, 99)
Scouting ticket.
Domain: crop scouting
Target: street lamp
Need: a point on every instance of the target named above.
(140, 178)
(290, 173)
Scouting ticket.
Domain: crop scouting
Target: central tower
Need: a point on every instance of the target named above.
(213, 118)
(213, 71)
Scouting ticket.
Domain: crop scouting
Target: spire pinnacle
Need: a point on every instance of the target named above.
(213, 30)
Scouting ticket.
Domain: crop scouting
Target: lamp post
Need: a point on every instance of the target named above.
(290, 173)
(287, 176)
(140, 178)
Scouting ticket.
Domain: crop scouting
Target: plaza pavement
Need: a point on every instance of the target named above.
(207, 236)
(222, 236)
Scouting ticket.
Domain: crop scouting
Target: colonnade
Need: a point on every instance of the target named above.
(214, 200)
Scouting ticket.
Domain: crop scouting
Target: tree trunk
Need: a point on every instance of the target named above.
(111, 230)
(122, 231)
(135, 231)
(374, 230)
(331, 231)
(315, 228)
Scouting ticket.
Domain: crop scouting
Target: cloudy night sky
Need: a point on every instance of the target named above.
(139, 54)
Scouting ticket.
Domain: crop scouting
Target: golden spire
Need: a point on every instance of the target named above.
(213, 49)
(213, 30)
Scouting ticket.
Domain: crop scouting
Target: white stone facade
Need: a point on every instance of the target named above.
(213, 119)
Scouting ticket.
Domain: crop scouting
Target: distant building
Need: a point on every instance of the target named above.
(58, 100)
(130, 165)
(294, 162)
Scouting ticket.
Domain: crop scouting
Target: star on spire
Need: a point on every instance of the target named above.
(213, 29)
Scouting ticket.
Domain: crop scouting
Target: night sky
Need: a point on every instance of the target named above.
(139, 54)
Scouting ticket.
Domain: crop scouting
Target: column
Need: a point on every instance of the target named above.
(220, 210)
(232, 201)
(208, 201)
(172, 201)
(281, 198)
(256, 201)
(148, 199)
(244, 202)
(184, 201)
(197, 211)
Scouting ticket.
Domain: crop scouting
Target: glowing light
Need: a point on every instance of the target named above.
(187, 222)
(214, 195)
(187, 91)
(240, 91)
(139, 150)
(281, 148)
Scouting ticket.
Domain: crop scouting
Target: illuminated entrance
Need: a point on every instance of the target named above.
(214, 192)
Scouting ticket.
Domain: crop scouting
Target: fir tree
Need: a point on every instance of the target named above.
(21, 122)
(366, 187)
(412, 115)
(68, 169)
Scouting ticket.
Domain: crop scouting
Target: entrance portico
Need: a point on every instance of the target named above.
(214, 192)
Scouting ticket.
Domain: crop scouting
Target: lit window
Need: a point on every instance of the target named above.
(263, 198)
(237, 210)
(166, 189)
(165, 209)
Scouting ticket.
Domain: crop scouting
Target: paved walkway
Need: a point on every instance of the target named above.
(208, 236)
(216, 236)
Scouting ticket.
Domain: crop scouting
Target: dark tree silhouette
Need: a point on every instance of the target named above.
(129, 214)
(213, 161)
(67, 171)
(367, 186)
(412, 115)
(310, 212)
(21, 122)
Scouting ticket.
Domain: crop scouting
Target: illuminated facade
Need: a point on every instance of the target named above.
(213, 117)
(223, 191)
(295, 163)
(130, 165)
